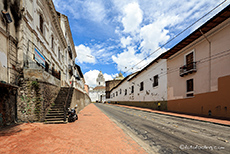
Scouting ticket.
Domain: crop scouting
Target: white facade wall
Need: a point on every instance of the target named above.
(115, 93)
(30, 37)
(8, 35)
(97, 95)
(149, 93)
(33, 34)
(3, 58)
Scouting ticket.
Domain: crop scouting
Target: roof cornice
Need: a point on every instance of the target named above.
(70, 34)
(56, 22)
(206, 27)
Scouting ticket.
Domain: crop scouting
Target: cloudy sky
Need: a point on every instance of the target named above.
(113, 36)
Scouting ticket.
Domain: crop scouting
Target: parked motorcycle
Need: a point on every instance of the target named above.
(72, 116)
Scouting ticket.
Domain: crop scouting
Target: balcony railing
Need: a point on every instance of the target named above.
(186, 69)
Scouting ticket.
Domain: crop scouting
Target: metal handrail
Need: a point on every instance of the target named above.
(187, 68)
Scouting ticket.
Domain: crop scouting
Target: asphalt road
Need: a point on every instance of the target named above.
(158, 133)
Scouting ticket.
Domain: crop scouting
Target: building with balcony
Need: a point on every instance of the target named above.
(201, 84)
(193, 77)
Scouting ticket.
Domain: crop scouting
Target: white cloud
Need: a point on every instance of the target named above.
(84, 54)
(132, 17)
(91, 77)
(127, 59)
(154, 34)
(95, 10)
(147, 24)
(90, 10)
(108, 77)
(150, 24)
(126, 41)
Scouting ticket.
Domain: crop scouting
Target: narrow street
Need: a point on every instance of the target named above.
(158, 133)
(92, 133)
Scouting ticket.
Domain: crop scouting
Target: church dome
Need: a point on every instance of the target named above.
(119, 77)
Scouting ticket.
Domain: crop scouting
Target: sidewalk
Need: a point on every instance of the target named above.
(93, 133)
(204, 119)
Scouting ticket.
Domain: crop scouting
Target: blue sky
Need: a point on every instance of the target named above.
(113, 35)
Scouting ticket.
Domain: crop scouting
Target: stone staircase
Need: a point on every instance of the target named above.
(56, 113)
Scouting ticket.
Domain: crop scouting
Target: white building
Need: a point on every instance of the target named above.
(97, 94)
(36, 49)
(146, 88)
(46, 44)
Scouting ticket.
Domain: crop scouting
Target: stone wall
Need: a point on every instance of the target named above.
(34, 100)
(80, 99)
(7, 106)
(40, 75)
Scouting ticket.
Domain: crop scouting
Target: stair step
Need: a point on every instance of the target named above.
(54, 116)
(55, 119)
(55, 112)
(55, 122)
(57, 107)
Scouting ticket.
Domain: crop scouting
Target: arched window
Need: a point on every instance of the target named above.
(41, 23)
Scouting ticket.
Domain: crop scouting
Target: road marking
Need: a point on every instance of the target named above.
(222, 140)
(175, 126)
(194, 131)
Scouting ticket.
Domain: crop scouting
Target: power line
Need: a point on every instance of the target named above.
(201, 61)
(177, 35)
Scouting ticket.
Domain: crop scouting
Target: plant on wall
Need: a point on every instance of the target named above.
(31, 101)
(26, 107)
(35, 85)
